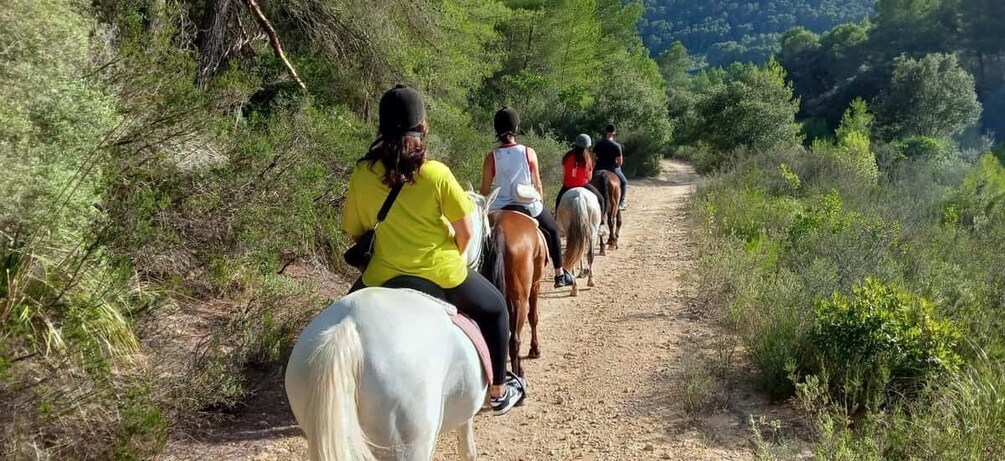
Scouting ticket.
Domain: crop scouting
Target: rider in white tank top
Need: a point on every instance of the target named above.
(510, 164)
(512, 168)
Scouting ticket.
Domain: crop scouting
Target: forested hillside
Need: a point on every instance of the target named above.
(721, 32)
(851, 232)
(166, 161)
(907, 62)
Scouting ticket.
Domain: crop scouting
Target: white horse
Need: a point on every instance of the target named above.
(578, 218)
(381, 372)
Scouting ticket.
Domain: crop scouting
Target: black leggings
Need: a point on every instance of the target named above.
(546, 222)
(588, 187)
(477, 298)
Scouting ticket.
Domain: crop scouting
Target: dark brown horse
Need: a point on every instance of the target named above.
(514, 260)
(608, 183)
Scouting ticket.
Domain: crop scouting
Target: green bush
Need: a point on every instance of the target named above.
(66, 303)
(963, 418)
(881, 343)
(979, 203)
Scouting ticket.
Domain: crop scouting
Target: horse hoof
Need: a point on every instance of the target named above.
(534, 354)
(590, 283)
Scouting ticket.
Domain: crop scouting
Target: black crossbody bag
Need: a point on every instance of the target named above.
(361, 252)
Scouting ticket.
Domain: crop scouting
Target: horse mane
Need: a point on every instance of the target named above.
(493, 263)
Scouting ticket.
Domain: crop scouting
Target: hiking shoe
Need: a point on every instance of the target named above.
(518, 381)
(515, 393)
(564, 280)
(622, 206)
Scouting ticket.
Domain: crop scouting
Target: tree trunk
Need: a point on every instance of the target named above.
(530, 42)
(214, 38)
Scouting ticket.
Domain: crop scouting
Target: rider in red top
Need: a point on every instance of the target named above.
(577, 172)
(578, 167)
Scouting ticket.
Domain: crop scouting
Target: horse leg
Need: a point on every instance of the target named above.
(535, 350)
(617, 234)
(589, 264)
(514, 347)
(466, 441)
(600, 241)
(420, 450)
(610, 229)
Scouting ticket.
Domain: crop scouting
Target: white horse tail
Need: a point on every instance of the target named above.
(579, 235)
(334, 432)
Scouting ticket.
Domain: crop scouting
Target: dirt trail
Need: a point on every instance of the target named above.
(608, 384)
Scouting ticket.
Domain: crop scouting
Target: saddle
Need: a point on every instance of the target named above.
(468, 326)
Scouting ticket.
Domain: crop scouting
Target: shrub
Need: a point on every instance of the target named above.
(963, 418)
(774, 325)
(979, 203)
(852, 150)
(66, 304)
(881, 343)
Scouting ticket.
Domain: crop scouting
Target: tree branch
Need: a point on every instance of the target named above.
(277, 47)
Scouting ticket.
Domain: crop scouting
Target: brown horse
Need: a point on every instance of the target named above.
(608, 183)
(514, 259)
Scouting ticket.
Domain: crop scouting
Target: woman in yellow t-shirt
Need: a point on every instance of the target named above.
(414, 238)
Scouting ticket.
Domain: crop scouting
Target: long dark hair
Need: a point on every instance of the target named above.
(402, 156)
(579, 153)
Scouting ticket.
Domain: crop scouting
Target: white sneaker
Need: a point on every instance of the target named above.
(516, 390)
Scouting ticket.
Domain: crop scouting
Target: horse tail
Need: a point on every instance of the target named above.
(579, 233)
(494, 262)
(333, 432)
(614, 186)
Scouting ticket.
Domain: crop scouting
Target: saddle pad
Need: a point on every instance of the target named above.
(470, 329)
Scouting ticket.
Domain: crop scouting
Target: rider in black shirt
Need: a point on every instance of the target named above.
(610, 156)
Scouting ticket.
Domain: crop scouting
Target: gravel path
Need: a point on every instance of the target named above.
(608, 383)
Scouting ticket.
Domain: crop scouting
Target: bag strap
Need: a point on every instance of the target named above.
(386, 207)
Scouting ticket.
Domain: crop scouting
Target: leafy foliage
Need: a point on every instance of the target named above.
(906, 61)
(853, 149)
(932, 96)
(881, 343)
(793, 247)
(748, 107)
(165, 176)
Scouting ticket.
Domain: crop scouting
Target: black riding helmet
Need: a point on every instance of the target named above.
(401, 109)
(506, 122)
